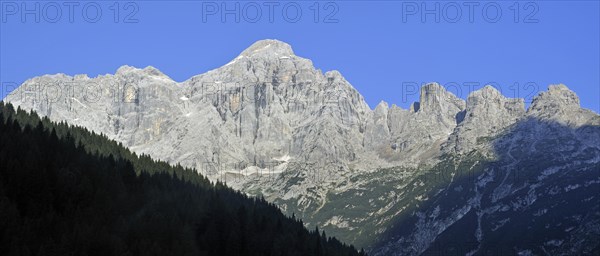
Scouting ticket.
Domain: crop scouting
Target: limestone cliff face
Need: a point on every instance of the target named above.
(487, 113)
(561, 105)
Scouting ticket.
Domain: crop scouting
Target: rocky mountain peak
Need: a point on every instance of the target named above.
(266, 61)
(490, 99)
(435, 98)
(381, 108)
(439, 107)
(122, 70)
(486, 92)
(150, 70)
(554, 102)
(487, 112)
(557, 99)
(126, 70)
(268, 47)
(560, 104)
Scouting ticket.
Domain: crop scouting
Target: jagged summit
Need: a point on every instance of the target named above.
(490, 97)
(268, 47)
(488, 91)
(558, 97)
(560, 104)
(126, 69)
(264, 59)
(435, 98)
(149, 70)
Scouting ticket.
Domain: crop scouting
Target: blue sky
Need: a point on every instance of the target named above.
(383, 48)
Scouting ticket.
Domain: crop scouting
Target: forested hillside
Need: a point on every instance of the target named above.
(67, 191)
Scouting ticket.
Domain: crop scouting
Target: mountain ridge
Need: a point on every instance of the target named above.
(264, 49)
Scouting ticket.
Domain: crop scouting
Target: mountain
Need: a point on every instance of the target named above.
(267, 107)
(396, 181)
(66, 191)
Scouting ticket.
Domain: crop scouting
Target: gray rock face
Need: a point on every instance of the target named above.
(270, 124)
(487, 113)
(436, 101)
(561, 105)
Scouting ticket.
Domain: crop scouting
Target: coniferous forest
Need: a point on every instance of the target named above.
(67, 191)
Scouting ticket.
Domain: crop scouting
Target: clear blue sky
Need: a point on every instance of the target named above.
(379, 46)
